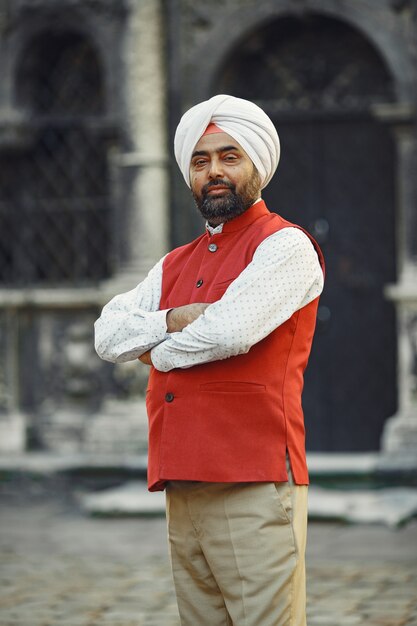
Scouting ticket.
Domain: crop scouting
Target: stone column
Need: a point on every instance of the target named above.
(399, 440)
(141, 181)
(142, 171)
(12, 421)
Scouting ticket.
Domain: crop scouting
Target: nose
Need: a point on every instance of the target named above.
(216, 170)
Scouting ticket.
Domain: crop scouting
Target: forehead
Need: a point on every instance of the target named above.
(214, 142)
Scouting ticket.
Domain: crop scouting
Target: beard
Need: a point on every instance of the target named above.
(230, 205)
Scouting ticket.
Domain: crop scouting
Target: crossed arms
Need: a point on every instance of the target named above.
(283, 276)
(177, 320)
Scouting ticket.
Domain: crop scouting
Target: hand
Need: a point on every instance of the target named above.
(180, 317)
(146, 358)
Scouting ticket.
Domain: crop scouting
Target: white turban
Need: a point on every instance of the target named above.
(243, 120)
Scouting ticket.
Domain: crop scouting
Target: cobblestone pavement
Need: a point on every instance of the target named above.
(59, 567)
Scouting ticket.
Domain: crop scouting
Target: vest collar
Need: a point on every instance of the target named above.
(254, 212)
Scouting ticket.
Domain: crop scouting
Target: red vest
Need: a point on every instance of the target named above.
(230, 420)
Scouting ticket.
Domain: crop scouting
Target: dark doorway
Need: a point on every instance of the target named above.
(318, 79)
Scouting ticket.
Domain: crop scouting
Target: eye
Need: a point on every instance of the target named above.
(230, 158)
(199, 162)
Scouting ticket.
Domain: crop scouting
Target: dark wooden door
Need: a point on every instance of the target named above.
(336, 179)
(319, 78)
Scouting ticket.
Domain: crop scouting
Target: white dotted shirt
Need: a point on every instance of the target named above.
(283, 276)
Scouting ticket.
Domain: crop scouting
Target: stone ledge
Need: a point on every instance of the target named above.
(49, 297)
(335, 464)
(45, 463)
(322, 466)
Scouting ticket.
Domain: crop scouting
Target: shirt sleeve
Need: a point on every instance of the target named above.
(284, 276)
(131, 323)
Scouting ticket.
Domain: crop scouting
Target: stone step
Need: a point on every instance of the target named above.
(392, 506)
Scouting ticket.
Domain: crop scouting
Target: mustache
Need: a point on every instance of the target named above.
(214, 183)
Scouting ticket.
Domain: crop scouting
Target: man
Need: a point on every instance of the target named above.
(226, 324)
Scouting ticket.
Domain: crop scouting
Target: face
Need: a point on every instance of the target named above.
(224, 181)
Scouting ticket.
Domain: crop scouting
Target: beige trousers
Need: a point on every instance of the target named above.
(237, 552)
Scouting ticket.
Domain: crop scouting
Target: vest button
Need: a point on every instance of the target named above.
(169, 397)
(199, 283)
(212, 247)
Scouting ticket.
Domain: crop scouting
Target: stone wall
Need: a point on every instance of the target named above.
(158, 58)
(55, 393)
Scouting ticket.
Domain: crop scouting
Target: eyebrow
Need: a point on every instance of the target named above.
(222, 149)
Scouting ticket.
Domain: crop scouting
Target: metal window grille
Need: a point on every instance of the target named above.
(55, 205)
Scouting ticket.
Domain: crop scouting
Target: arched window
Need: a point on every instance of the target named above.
(54, 193)
(309, 64)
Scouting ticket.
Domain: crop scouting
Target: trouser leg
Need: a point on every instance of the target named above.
(239, 556)
(299, 496)
(200, 602)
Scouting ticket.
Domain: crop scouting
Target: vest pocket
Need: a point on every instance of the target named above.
(223, 283)
(232, 386)
(218, 289)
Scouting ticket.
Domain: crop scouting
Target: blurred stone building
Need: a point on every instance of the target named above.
(90, 95)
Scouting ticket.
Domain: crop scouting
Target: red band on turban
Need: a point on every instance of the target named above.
(211, 129)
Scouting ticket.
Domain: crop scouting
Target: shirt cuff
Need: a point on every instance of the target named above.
(159, 360)
(158, 321)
